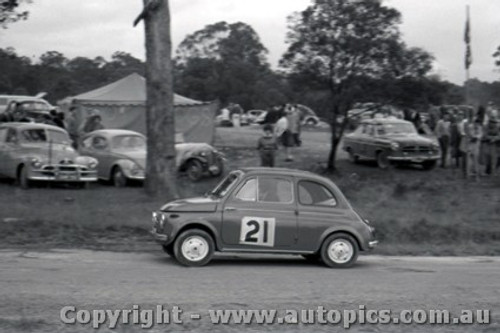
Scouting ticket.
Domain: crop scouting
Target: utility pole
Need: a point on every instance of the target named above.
(161, 171)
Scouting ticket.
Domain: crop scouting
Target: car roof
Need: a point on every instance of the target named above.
(280, 171)
(21, 125)
(111, 132)
(392, 120)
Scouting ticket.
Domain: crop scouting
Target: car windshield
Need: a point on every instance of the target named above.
(396, 128)
(33, 106)
(223, 187)
(40, 135)
(128, 142)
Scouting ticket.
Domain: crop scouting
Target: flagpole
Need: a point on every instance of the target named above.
(467, 53)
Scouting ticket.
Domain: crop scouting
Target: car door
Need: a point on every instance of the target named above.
(260, 214)
(367, 146)
(3, 151)
(318, 210)
(97, 146)
(9, 151)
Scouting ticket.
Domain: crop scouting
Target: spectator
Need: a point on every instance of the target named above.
(72, 126)
(293, 117)
(474, 133)
(443, 135)
(491, 142)
(455, 139)
(267, 147)
(93, 122)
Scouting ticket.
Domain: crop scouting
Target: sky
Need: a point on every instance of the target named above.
(92, 28)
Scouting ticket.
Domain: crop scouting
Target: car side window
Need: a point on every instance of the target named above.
(380, 130)
(369, 130)
(11, 136)
(279, 190)
(315, 194)
(248, 192)
(99, 143)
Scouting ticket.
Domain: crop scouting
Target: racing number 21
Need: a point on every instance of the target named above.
(257, 231)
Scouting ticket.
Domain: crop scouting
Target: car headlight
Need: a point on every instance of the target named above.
(435, 145)
(136, 170)
(93, 164)
(203, 153)
(394, 145)
(35, 163)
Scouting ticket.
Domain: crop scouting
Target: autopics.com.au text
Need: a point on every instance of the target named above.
(163, 315)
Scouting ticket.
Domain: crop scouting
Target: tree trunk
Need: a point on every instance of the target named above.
(334, 142)
(160, 123)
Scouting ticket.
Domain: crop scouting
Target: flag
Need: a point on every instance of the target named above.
(468, 53)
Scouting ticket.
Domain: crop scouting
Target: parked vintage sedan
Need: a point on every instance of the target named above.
(265, 210)
(391, 141)
(38, 152)
(122, 156)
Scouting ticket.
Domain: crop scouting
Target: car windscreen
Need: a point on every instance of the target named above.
(396, 128)
(128, 142)
(42, 135)
(33, 106)
(59, 137)
(223, 187)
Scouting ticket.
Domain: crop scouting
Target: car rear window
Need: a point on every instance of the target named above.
(315, 194)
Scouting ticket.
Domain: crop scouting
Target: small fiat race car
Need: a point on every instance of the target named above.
(39, 152)
(265, 210)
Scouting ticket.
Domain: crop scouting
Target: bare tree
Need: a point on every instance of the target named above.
(160, 122)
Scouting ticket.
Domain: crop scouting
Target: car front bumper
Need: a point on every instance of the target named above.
(56, 174)
(414, 158)
(159, 238)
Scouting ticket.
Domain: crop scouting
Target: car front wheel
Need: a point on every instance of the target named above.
(23, 179)
(194, 247)
(339, 251)
(383, 160)
(119, 179)
(194, 170)
(429, 165)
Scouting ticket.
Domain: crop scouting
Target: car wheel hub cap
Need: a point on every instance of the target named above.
(195, 248)
(340, 251)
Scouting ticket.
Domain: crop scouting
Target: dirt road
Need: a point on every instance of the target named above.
(35, 286)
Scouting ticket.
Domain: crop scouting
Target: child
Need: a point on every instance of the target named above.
(267, 147)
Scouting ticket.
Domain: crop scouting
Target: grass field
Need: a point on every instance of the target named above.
(414, 211)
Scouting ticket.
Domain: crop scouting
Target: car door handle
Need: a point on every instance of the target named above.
(230, 208)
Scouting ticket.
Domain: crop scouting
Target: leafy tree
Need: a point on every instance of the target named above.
(336, 45)
(9, 12)
(226, 62)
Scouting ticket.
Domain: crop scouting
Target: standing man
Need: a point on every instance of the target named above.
(72, 126)
(443, 136)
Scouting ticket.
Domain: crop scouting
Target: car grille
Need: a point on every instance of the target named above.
(417, 149)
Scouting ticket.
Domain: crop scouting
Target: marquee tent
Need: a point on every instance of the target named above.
(122, 104)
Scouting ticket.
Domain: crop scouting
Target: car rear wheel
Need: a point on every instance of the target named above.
(194, 247)
(194, 170)
(339, 251)
(353, 158)
(23, 179)
(311, 122)
(119, 179)
(383, 160)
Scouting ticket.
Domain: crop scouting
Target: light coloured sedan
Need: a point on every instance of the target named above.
(38, 152)
(122, 156)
